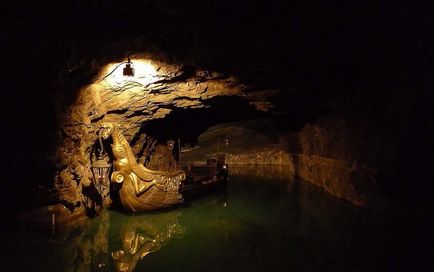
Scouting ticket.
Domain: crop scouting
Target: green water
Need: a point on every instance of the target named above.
(258, 224)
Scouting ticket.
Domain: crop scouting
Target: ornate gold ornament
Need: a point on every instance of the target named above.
(142, 189)
(101, 170)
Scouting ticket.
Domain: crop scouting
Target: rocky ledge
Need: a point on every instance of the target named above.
(157, 89)
(325, 153)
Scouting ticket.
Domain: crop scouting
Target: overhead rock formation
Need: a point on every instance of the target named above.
(154, 92)
(53, 50)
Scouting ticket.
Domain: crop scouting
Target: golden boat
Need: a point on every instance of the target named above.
(143, 189)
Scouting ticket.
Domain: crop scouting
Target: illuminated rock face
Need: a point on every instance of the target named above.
(328, 153)
(254, 142)
(267, 157)
(156, 89)
(331, 155)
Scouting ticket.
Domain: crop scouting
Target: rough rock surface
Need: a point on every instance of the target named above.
(266, 171)
(270, 157)
(353, 183)
(129, 102)
(247, 142)
(327, 154)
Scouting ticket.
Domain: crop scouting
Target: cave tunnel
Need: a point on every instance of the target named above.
(216, 135)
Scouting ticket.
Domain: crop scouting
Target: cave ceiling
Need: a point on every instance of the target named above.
(291, 59)
(291, 62)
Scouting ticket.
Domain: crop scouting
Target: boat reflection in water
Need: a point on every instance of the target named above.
(142, 235)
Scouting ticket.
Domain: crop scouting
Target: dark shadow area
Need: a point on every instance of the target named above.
(188, 124)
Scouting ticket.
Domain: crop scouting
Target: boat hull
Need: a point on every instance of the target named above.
(154, 198)
(194, 190)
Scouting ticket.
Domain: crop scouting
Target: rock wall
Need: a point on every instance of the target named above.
(328, 154)
(248, 142)
(351, 182)
(331, 153)
(270, 157)
(130, 102)
(265, 171)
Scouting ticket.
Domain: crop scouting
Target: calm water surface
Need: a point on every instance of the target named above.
(269, 223)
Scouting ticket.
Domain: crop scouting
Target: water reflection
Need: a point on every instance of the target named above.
(270, 172)
(142, 235)
(112, 241)
(85, 245)
(258, 224)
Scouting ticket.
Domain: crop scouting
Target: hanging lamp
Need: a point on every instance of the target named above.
(129, 68)
(101, 170)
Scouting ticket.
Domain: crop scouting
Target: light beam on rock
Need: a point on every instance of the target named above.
(145, 73)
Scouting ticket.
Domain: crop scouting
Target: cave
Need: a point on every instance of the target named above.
(321, 112)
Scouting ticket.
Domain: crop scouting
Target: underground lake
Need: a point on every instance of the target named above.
(268, 222)
(122, 120)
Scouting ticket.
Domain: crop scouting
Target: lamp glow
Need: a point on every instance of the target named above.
(128, 69)
(135, 70)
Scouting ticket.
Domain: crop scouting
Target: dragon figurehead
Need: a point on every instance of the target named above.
(143, 188)
(106, 130)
